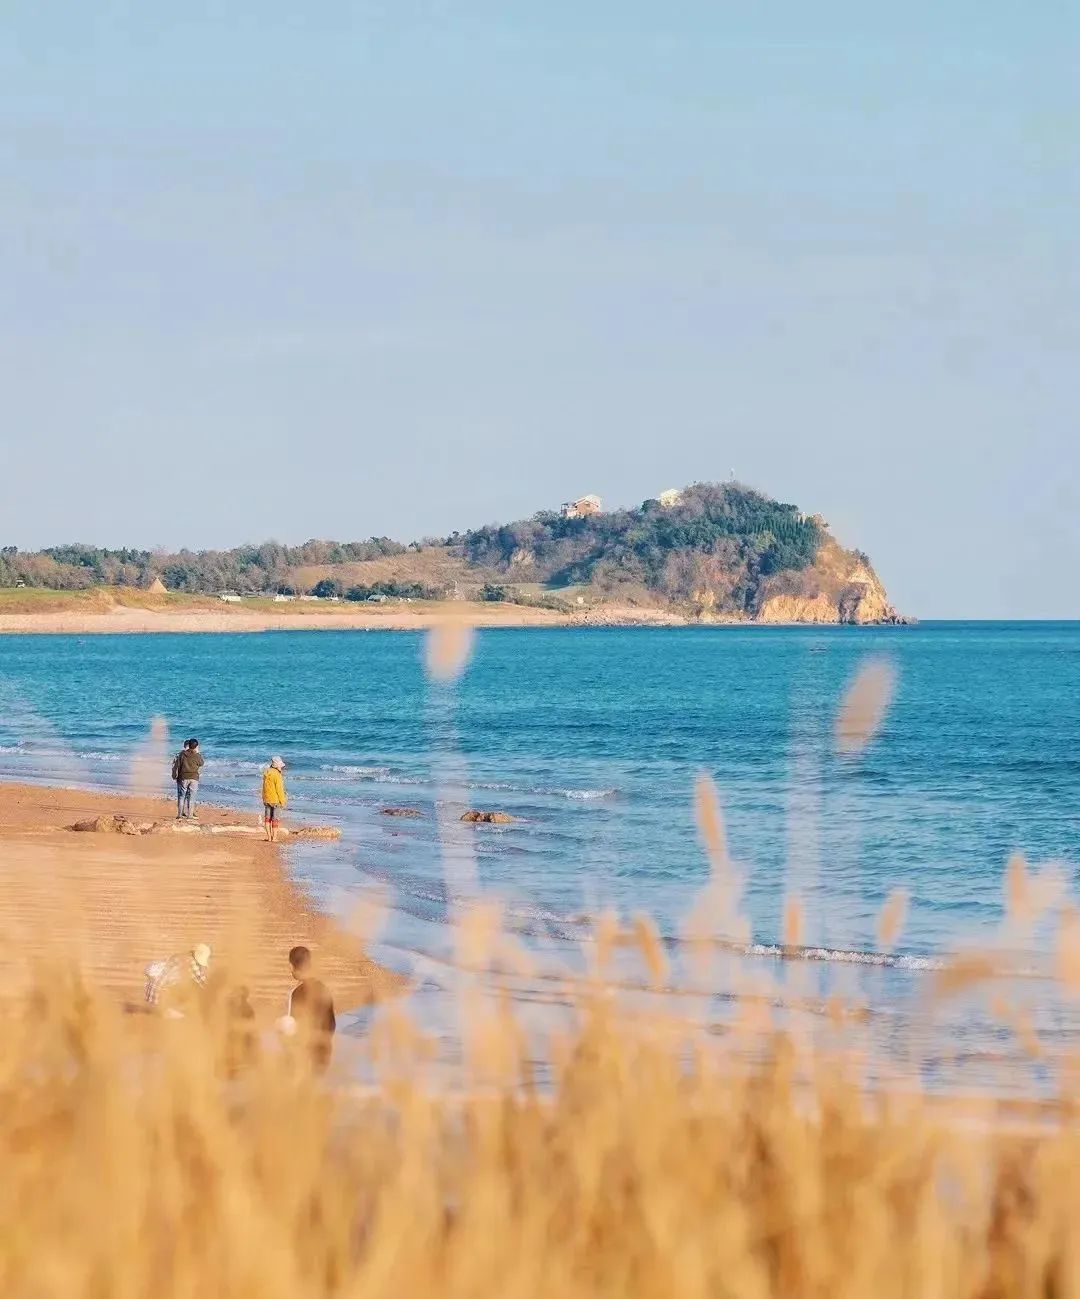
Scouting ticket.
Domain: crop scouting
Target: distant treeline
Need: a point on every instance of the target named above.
(329, 588)
(718, 539)
(246, 569)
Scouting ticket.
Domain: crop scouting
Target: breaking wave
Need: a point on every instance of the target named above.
(388, 776)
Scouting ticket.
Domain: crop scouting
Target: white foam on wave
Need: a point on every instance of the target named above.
(845, 956)
(387, 776)
(545, 791)
(379, 774)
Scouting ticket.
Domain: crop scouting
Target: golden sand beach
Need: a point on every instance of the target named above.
(114, 902)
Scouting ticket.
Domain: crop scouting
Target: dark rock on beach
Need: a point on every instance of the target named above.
(410, 812)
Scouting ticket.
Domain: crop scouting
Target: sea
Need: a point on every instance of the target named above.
(594, 740)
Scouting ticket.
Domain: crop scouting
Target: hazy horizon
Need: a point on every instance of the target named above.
(400, 270)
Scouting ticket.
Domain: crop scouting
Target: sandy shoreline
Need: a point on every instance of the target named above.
(137, 620)
(115, 902)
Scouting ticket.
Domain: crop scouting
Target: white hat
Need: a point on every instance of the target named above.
(200, 954)
(278, 762)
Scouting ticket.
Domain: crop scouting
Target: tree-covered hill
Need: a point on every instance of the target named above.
(724, 549)
(671, 550)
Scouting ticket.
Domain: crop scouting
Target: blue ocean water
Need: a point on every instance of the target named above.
(592, 738)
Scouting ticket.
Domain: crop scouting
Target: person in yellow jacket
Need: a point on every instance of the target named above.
(274, 796)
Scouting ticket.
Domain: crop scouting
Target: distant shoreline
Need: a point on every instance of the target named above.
(123, 619)
(396, 617)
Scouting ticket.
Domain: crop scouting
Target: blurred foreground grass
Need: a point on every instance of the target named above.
(151, 1157)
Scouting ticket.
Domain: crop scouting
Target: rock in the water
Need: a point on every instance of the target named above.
(312, 832)
(411, 812)
(487, 818)
(114, 823)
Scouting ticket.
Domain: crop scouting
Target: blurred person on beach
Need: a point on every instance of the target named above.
(311, 1011)
(273, 795)
(185, 771)
(174, 984)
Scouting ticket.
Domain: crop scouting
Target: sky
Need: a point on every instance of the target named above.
(404, 267)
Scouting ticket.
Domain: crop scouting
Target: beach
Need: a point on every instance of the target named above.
(70, 615)
(113, 902)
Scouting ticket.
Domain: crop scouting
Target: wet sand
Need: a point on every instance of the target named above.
(116, 902)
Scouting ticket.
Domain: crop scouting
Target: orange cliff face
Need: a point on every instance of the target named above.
(839, 587)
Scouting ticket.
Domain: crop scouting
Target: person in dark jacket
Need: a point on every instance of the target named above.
(311, 1008)
(185, 771)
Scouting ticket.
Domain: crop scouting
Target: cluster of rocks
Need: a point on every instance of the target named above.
(114, 824)
(117, 823)
(473, 815)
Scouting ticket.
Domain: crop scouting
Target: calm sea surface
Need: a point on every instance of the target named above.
(592, 739)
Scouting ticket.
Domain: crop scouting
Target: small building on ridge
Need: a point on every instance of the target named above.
(582, 507)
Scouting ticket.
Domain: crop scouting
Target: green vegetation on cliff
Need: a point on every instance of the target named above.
(712, 530)
(723, 549)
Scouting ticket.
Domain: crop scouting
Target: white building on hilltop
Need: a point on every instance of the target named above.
(583, 506)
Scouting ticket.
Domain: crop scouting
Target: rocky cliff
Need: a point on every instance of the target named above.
(839, 587)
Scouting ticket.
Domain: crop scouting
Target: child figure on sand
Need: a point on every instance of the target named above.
(311, 1011)
(273, 795)
(173, 985)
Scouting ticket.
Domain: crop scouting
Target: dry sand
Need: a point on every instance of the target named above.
(121, 618)
(116, 902)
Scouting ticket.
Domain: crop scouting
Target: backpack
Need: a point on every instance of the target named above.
(176, 767)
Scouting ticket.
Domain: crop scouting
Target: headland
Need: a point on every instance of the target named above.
(709, 553)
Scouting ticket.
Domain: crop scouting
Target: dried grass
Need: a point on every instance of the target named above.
(153, 1162)
(864, 705)
(449, 647)
(891, 919)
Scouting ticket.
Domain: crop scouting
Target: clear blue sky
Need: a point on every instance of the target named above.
(340, 269)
